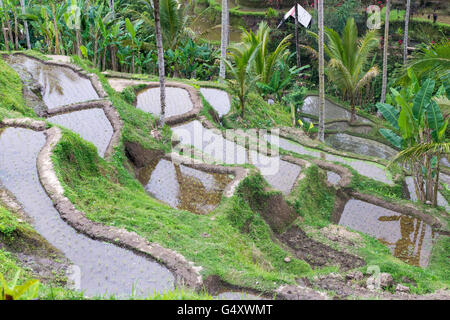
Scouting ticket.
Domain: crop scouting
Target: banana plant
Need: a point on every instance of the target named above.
(13, 291)
(417, 121)
(136, 43)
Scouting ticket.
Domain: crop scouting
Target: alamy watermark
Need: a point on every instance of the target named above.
(232, 147)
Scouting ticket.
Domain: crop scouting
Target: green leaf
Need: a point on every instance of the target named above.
(389, 113)
(434, 116)
(130, 28)
(83, 50)
(392, 137)
(405, 123)
(423, 98)
(441, 132)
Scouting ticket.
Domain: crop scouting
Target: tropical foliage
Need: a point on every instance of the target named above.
(348, 57)
(418, 119)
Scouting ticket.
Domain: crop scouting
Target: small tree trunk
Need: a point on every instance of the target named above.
(104, 60)
(25, 25)
(385, 52)
(95, 48)
(113, 58)
(161, 70)
(321, 135)
(297, 47)
(8, 23)
(16, 31)
(405, 40)
(436, 182)
(55, 26)
(224, 40)
(78, 36)
(5, 37)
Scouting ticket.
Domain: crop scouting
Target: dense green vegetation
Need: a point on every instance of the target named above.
(234, 242)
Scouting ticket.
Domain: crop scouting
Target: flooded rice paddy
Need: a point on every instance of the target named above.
(177, 101)
(218, 99)
(332, 110)
(104, 268)
(333, 177)
(280, 174)
(365, 168)
(413, 196)
(59, 85)
(410, 239)
(91, 124)
(183, 187)
(367, 147)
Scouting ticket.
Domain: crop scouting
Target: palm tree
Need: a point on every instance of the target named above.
(405, 40)
(242, 80)
(385, 52)
(224, 39)
(348, 58)
(159, 45)
(264, 62)
(321, 75)
(174, 22)
(433, 61)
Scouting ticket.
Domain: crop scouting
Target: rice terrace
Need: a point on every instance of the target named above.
(224, 150)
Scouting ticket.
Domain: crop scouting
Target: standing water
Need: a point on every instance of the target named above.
(183, 187)
(104, 267)
(60, 85)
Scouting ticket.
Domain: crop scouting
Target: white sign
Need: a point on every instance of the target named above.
(304, 18)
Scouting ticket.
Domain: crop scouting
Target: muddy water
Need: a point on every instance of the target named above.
(92, 125)
(60, 85)
(332, 110)
(410, 239)
(177, 101)
(105, 268)
(333, 177)
(365, 168)
(280, 174)
(183, 187)
(211, 143)
(346, 142)
(218, 99)
(413, 196)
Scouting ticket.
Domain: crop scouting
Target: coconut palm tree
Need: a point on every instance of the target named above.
(264, 62)
(432, 61)
(321, 135)
(159, 45)
(224, 39)
(348, 59)
(405, 39)
(385, 52)
(174, 22)
(242, 79)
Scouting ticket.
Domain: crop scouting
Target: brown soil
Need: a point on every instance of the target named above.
(141, 157)
(316, 253)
